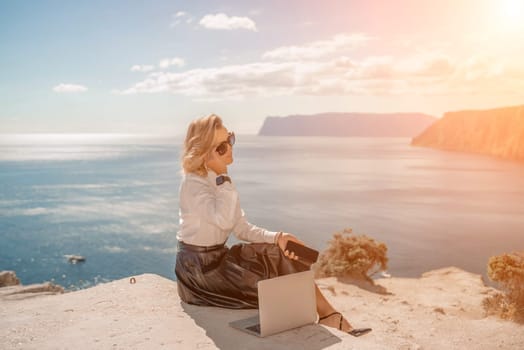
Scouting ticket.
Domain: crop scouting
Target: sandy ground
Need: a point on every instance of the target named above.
(440, 310)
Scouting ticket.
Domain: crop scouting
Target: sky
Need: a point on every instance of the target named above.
(153, 66)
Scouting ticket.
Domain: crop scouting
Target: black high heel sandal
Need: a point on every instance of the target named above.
(356, 332)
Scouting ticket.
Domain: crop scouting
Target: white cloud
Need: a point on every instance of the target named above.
(231, 81)
(180, 17)
(163, 64)
(66, 88)
(224, 22)
(176, 61)
(480, 67)
(427, 64)
(142, 68)
(318, 49)
(325, 68)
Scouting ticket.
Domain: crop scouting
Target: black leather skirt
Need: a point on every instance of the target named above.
(227, 277)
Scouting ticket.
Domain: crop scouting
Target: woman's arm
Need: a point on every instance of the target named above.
(248, 232)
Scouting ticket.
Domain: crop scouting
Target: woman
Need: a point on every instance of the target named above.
(208, 272)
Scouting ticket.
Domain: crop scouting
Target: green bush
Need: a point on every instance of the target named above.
(354, 256)
(508, 271)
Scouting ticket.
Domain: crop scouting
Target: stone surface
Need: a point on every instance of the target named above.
(12, 289)
(440, 310)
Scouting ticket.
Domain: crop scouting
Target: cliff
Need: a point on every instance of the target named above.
(348, 124)
(497, 132)
(440, 310)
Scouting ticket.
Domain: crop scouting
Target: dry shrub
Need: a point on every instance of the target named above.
(353, 256)
(497, 305)
(508, 271)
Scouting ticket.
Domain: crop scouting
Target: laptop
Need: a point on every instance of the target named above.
(284, 303)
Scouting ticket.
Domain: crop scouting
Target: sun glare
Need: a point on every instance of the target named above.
(512, 13)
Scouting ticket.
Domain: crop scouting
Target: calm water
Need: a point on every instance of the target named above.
(114, 200)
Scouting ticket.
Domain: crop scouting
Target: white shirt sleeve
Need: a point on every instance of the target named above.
(251, 233)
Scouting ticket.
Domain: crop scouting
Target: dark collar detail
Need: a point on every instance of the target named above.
(221, 179)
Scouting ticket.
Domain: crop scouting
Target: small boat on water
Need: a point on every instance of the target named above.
(73, 259)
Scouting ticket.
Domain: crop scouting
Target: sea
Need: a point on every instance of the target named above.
(113, 199)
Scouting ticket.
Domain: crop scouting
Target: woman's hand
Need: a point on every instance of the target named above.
(282, 242)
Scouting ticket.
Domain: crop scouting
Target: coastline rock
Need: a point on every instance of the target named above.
(12, 289)
(8, 278)
(497, 132)
(30, 291)
(348, 125)
(440, 310)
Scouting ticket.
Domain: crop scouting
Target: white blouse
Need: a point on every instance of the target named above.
(209, 213)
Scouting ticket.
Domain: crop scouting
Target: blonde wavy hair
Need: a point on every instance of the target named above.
(199, 141)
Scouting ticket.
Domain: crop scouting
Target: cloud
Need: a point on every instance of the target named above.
(438, 66)
(163, 64)
(67, 88)
(142, 68)
(266, 79)
(222, 21)
(427, 64)
(231, 81)
(318, 49)
(378, 67)
(329, 68)
(180, 17)
(176, 61)
(480, 67)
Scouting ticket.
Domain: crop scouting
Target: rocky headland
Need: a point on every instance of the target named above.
(497, 132)
(348, 125)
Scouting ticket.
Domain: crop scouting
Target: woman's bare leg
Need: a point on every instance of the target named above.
(324, 308)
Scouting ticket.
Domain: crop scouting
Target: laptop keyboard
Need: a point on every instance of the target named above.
(255, 328)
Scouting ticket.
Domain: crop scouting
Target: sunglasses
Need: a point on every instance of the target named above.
(222, 147)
